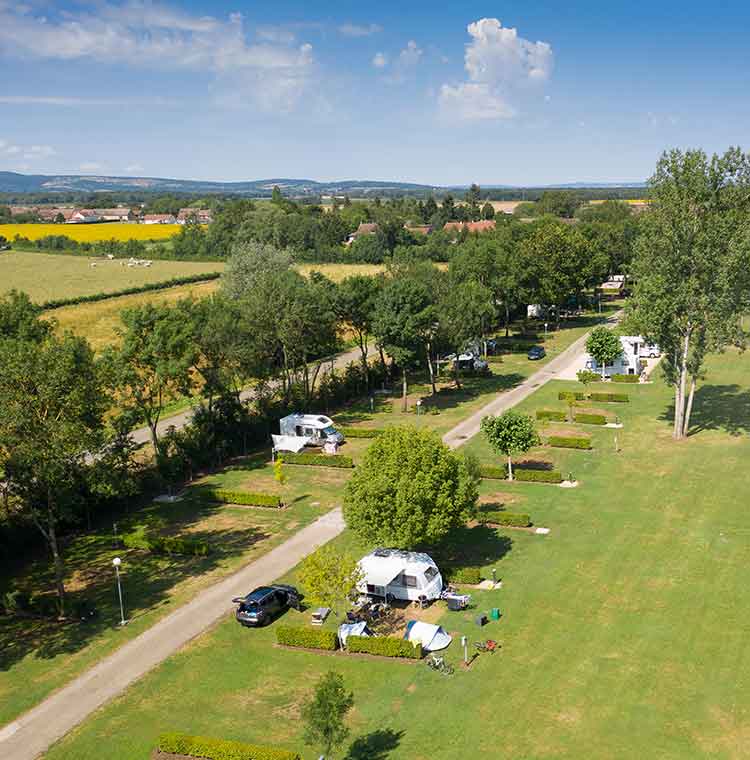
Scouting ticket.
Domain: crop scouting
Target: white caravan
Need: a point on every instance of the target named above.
(629, 361)
(316, 429)
(398, 574)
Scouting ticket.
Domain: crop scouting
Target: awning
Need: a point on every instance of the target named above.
(385, 572)
(294, 443)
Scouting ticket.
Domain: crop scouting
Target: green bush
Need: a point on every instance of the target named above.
(220, 749)
(321, 460)
(16, 601)
(625, 379)
(490, 472)
(591, 419)
(468, 575)
(246, 498)
(510, 519)
(569, 442)
(620, 398)
(563, 395)
(526, 475)
(385, 646)
(166, 544)
(587, 376)
(550, 414)
(311, 638)
(355, 432)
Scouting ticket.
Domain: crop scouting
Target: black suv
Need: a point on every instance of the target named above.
(263, 604)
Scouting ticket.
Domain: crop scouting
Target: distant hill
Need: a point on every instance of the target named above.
(11, 182)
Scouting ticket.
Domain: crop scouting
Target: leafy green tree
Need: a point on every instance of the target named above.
(325, 712)
(509, 434)
(356, 298)
(604, 346)
(692, 265)
(472, 197)
(488, 211)
(52, 406)
(561, 203)
(409, 492)
(402, 317)
(329, 576)
(249, 263)
(19, 318)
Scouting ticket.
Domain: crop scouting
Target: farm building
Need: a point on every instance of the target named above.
(120, 214)
(365, 228)
(51, 214)
(482, 226)
(83, 216)
(159, 219)
(200, 215)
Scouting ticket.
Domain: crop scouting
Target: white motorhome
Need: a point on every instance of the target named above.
(629, 361)
(398, 574)
(317, 429)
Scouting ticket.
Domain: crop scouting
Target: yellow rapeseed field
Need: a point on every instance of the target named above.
(89, 233)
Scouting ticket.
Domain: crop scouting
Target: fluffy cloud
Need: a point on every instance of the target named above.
(498, 63)
(411, 54)
(90, 166)
(150, 34)
(26, 153)
(359, 30)
(380, 60)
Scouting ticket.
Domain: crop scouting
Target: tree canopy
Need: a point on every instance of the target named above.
(510, 433)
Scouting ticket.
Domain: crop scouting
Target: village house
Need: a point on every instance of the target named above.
(119, 214)
(47, 214)
(482, 226)
(418, 229)
(83, 216)
(365, 228)
(200, 215)
(159, 219)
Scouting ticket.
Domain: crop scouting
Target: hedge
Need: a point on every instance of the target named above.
(174, 282)
(385, 646)
(591, 419)
(625, 379)
(578, 395)
(550, 414)
(220, 749)
(522, 474)
(469, 575)
(311, 638)
(569, 442)
(614, 397)
(321, 460)
(246, 498)
(166, 544)
(510, 519)
(353, 432)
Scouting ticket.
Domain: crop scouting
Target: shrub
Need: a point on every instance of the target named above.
(625, 379)
(469, 575)
(225, 496)
(385, 646)
(354, 432)
(587, 376)
(591, 419)
(491, 472)
(519, 473)
(509, 519)
(166, 544)
(320, 460)
(220, 749)
(563, 395)
(569, 442)
(612, 397)
(16, 601)
(550, 414)
(311, 638)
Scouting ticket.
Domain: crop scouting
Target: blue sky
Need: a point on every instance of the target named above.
(444, 93)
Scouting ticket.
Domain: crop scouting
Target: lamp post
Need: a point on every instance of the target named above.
(116, 562)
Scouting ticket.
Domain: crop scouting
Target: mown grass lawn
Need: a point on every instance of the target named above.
(623, 630)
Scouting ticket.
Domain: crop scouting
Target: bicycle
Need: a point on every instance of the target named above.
(439, 665)
(490, 646)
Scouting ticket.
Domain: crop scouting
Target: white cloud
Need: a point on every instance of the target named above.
(25, 152)
(145, 34)
(275, 34)
(380, 60)
(134, 169)
(359, 30)
(411, 54)
(498, 63)
(90, 166)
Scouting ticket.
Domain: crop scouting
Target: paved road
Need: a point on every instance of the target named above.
(30, 735)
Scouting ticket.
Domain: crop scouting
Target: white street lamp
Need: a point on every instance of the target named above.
(116, 562)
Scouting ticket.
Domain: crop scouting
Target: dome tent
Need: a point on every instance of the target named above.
(431, 637)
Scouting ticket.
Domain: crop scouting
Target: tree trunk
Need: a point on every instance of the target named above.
(382, 361)
(510, 468)
(679, 411)
(507, 319)
(56, 559)
(154, 437)
(403, 391)
(456, 372)
(689, 409)
(431, 370)
(365, 365)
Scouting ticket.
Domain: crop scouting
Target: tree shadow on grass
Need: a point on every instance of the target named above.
(717, 407)
(376, 745)
(474, 546)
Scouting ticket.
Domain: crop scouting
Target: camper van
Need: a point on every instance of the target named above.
(629, 361)
(397, 574)
(317, 429)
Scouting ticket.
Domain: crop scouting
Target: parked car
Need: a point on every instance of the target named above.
(469, 360)
(265, 603)
(536, 352)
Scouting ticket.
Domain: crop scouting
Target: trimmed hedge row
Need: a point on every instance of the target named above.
(468, 575)
(311, 638)
(385, 646)
(509, 519)
(245, 498)
(519, 473)
(625, 379)
(550, 414)
(591, 419)
(166, 544)
(174, 282)
(569, 442)
(354, 432)
(563, 395)
(620, 398)
(220, 749)
(321, 460)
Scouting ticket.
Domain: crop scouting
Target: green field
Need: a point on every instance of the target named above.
(622, 630)
(47, 277)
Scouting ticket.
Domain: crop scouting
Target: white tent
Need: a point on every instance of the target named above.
(431, 637)
(352, 629)
(292, 443)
